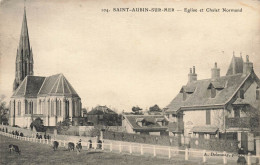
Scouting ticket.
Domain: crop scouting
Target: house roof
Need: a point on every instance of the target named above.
(33, 86)
(240, 101)
(151, 119)
(200, 97)
(204, 129)
(100, 110)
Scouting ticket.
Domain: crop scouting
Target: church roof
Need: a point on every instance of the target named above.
(29, 86)
(33, 86)
(57, 85)
(236, 65)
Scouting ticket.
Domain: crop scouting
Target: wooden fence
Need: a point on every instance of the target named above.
(146, 150)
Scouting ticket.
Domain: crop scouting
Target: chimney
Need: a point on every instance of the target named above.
(192, 75)
(247, 66)
(215, 72)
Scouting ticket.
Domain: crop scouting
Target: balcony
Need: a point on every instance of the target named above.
(242, 122)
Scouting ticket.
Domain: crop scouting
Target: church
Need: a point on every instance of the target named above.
(52, 98)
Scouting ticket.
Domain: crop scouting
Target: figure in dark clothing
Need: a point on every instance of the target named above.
(13, 132)
(37, 136)
(241, 157)
(90, 144)
(44, 136)
(40, 136)
(21, 134)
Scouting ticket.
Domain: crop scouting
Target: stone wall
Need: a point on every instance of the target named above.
(214, 144)
(138, 138)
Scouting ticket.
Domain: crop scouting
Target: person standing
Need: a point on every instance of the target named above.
(241, 157)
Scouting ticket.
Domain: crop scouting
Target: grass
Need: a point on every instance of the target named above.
(33, 153)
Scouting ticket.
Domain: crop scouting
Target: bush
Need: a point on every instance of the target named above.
(94, 132)
(38, 124)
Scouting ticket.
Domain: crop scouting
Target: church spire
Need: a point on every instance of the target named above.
(24, 56)
(24, 37)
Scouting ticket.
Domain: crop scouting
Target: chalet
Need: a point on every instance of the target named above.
(221, 106)
(145, 124)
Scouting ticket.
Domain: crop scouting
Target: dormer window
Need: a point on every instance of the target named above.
(257, 93)
(184, 96)
(160, 121)
(186, 91)
(211, 91)
(214, 88)
(139, 121)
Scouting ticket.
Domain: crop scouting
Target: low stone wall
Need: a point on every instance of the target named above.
(30, 133)
(147, 139)
(214, 144)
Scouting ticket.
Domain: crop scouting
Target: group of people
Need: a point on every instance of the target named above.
(4, 130)
(44, 136)
(17, 133)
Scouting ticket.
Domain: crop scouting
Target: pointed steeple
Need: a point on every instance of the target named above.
(24, 37)
(24, 56)
(235, 66)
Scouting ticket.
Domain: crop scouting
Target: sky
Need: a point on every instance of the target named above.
(125, 59)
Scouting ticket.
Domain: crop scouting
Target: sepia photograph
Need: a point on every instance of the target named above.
(130, 82)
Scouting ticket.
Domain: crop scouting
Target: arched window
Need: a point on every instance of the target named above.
(60, 108)
(57, 107)
(257, 93)
(19, 108)
(67, 108)
(26, 107)
(49, 108)
(73, 108)
(30, 107)
(52, 108)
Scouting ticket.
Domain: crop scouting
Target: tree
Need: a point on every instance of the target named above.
(84, 112)
(137, 110)
(64, 125)
(38, 124)
(155, 108)
(4, 111)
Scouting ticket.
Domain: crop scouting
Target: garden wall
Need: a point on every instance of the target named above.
(148, 139)
(214, 144)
